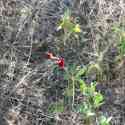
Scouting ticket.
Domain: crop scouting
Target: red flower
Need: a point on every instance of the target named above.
(49, 55)
(60, 63)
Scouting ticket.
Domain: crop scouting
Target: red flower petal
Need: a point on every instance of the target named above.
(60, 63)
(49, 55)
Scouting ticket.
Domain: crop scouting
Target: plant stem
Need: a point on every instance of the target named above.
(73, 92)
(88, 121)
(66, 36)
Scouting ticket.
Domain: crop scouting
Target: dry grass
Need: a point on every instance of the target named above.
(28, 31)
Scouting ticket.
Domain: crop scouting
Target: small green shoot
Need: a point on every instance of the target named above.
(104, 120)
(67, 23)
(69, 26)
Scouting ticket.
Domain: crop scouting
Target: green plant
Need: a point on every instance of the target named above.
(104, 120)
(92, 99)
(120, 34)
(121, 40)
(68, 25)
(74, 75)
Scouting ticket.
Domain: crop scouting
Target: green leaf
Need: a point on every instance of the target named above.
(90, 90)
(104, 120)
(66, 21)
(93, 87)
(83, 86)
(85, 109)
(122, 46)
(68, 24)
(89, 113)
(82, 108)
(81, 72)
(98, 99)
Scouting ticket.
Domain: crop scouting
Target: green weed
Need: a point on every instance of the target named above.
(92, 101)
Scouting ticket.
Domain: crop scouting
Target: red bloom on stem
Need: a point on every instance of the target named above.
(49, 55)
(60, 63)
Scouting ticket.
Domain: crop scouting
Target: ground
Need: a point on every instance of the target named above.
(28, 83)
